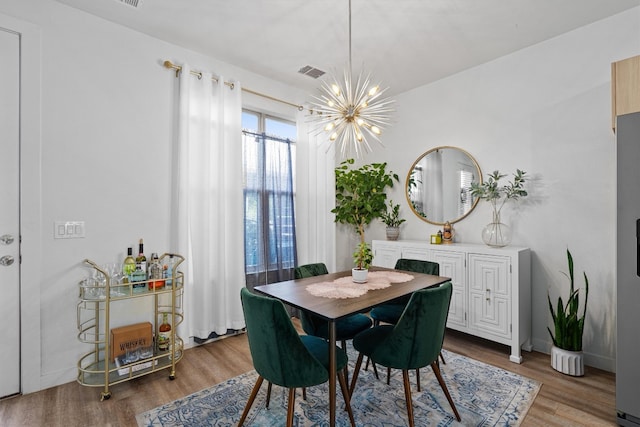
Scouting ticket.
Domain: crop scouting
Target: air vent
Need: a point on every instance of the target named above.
(310, 71)
(132, 3)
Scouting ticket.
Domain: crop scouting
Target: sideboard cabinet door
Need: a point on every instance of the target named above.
(490, 294)
(452, 264)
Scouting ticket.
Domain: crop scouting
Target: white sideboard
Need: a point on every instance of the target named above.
(491, 287)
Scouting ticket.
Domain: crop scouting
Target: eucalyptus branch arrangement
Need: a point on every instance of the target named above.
(497, 194)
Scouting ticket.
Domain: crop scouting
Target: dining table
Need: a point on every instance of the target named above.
(298, 293)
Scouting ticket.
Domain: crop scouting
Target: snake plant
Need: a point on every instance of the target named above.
(568, 324)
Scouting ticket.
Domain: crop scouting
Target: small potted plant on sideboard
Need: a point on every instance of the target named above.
(391, 218)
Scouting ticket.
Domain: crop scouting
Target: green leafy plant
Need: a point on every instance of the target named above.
(569, 326)
(361, 198)
(391, 216)
(491, 190)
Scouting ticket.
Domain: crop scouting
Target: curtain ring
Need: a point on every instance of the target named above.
(232, 85)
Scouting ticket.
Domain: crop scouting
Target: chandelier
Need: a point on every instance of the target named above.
(351, 114)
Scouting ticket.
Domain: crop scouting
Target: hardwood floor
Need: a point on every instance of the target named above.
(562, 400)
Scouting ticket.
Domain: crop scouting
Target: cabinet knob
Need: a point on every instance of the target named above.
(6, 260)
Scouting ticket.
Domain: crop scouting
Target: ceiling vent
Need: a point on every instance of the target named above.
(132, 3)
(310, 71)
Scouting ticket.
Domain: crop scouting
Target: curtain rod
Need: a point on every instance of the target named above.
(178, 68)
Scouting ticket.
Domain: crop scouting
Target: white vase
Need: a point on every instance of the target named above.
(359, 275)
(567, 362)
(496, 233)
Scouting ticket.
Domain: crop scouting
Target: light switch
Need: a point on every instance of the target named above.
(68, 230)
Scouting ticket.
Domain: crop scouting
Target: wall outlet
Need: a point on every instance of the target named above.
(68, 230)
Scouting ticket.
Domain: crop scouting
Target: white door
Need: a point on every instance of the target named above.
(9, 214)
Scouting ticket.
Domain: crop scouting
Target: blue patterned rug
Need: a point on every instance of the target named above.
(484, 395)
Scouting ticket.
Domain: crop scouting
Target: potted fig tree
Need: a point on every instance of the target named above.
(361, 198)
(566, 352)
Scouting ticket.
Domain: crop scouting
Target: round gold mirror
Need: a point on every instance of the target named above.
(439, 185)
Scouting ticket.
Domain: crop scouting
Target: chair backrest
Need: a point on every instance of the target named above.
(418, 266)
(310, 323)
(310, 270)
(278, 353)
(416, 340)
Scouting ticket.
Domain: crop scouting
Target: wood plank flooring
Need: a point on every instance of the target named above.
(562, 400)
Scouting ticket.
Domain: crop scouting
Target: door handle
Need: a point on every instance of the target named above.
(6, 260)
(6, 239)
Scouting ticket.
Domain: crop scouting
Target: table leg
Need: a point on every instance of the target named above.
(332, 373)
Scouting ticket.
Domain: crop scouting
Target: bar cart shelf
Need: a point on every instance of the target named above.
(94, 326)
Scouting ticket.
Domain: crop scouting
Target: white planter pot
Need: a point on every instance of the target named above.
(567, 362)
(359, 276)
(393, 233)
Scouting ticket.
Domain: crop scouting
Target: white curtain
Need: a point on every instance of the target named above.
(207, 204)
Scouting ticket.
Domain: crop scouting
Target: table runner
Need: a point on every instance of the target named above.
(344, 287)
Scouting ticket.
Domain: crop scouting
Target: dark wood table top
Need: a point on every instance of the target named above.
(294, 293)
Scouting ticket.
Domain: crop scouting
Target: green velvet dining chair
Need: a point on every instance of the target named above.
(282, 356)
(346, 328)
(390, 312)
(415, 341)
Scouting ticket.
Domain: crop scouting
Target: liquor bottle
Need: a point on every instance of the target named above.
(140, 273)
(156, 280)
(168, 271)
(129, 265)
(164, 334)
(141, 260)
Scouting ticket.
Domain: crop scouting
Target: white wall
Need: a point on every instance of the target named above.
(106, 107)
(546, 110)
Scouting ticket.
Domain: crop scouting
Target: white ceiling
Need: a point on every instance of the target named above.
(403, 43)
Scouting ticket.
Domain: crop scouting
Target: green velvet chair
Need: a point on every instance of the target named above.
(346, 328)
(412, 343)
(390, 312)
(282, 356)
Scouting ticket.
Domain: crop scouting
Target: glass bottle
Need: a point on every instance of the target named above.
(168, 271)
(164, 333)
(129, 265)
(140, 273)
(156, 280)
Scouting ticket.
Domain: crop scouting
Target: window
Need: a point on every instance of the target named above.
(269, 174)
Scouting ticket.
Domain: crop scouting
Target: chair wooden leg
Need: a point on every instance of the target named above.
(291, 406)
(347, 397)
(388, 375)
(268, 394)
(355, 374)
(304, 393)
(436, 370)
(442, 358)
(375, 370)
(418, 379)
(252, 397)
(346, 367)
(407, 396)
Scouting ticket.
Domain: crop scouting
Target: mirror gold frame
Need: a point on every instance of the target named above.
(438, 185)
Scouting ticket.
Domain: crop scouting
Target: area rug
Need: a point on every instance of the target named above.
(484, 395)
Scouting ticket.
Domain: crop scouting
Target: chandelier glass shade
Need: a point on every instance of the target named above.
(352, 113)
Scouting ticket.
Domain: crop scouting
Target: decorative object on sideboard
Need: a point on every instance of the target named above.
(566, 353)
(352, 112)
(447, 233)
(391, 218)
(361, 198)
(496, 233)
